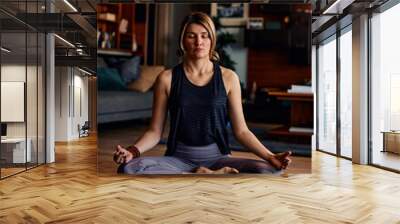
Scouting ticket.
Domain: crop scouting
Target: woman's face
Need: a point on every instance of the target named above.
(196, 41)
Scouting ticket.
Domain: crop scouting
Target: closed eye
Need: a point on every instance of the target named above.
(203, 35)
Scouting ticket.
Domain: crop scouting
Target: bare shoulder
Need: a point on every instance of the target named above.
(229, 77)
(165, 76)
(164, 80)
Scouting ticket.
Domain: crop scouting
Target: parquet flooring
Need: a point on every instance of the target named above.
(70, 191)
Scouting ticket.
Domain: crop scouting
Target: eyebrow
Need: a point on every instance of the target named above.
(196, 33)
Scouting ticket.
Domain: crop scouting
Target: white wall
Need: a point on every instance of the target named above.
(15, 72)
(71, 87)
(62, 80)
(34, 124)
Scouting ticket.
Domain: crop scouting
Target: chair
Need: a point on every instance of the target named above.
(84, 130)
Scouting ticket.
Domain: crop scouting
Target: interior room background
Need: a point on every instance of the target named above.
(268, 46)
(22, 77)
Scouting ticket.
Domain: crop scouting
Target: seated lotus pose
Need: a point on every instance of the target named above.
(201, 97)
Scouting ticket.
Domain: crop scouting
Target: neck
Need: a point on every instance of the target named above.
(198, 66)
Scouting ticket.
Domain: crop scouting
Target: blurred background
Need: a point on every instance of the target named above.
(267, 45)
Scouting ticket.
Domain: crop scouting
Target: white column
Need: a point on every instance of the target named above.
(50, 99)
(360, 90)
(50, 92)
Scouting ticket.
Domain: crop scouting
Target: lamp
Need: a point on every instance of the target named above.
(84, 71)
(5, 50)
(70, 5)
(65, 41)
(337, 7)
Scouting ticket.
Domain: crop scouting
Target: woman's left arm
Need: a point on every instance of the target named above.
(239, 126)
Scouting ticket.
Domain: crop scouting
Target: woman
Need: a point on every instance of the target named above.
(199, 95)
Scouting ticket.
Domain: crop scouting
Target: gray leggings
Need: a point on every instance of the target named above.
(187, 159)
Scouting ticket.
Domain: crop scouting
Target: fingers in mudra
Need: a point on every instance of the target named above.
(119, 155)
(118, 158)
(284, 159)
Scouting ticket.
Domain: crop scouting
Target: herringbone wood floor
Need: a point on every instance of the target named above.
(70, 191)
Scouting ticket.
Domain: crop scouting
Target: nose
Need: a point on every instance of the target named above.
(198, 41)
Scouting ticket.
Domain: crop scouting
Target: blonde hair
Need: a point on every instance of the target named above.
(204, 20)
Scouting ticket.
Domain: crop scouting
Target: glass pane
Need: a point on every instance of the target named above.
(346, 94)
(386, 89)
(327, 97)
(13, 86)
(31, 97)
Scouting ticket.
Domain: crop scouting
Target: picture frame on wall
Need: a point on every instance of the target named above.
(231, 14)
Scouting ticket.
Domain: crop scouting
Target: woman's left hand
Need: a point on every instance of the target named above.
(280, 160)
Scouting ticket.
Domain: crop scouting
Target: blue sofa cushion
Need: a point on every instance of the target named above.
(130, 69)
(109, 79)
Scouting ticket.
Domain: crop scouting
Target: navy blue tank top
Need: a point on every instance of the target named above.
(198, 114)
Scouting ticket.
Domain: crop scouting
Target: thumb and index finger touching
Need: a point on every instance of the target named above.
(118, 149)
(285, 154)
(288, 153)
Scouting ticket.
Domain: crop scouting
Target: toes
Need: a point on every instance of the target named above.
(234, 170)
(202, 169)
(228, 169)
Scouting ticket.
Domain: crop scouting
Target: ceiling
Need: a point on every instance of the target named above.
(76, 26)
(338, 14)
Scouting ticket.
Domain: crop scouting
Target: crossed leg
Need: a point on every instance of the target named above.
(168, 165)
(244, 165)
(157, 165)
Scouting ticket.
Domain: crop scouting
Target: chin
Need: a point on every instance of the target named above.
(200, 56)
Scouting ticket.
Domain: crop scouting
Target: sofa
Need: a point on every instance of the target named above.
(125, 92)
(115, 106)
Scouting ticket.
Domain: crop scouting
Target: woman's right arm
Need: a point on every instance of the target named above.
(153, 134)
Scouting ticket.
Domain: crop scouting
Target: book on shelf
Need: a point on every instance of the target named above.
(115, 52)
(301, 129)
(300, 89)
(107, 16)
(123, 26)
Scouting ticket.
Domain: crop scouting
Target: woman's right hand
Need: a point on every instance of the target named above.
(122, 155)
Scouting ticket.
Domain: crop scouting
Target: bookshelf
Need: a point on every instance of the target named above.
(121, 29)
(301, 116)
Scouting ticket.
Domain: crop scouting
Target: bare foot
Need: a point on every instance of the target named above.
(224, 170)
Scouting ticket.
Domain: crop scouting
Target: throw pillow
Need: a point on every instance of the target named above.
(130, 69)
(113, 62)
(148, 76)
(101, 62)
(109, 79)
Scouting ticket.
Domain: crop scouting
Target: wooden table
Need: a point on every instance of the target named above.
(301, 112)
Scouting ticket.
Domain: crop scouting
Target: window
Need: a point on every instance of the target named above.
(327, 96)
(385, 85)
(346, 93)
(22, 77)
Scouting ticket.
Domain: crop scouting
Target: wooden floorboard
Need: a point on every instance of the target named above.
(71, 191)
